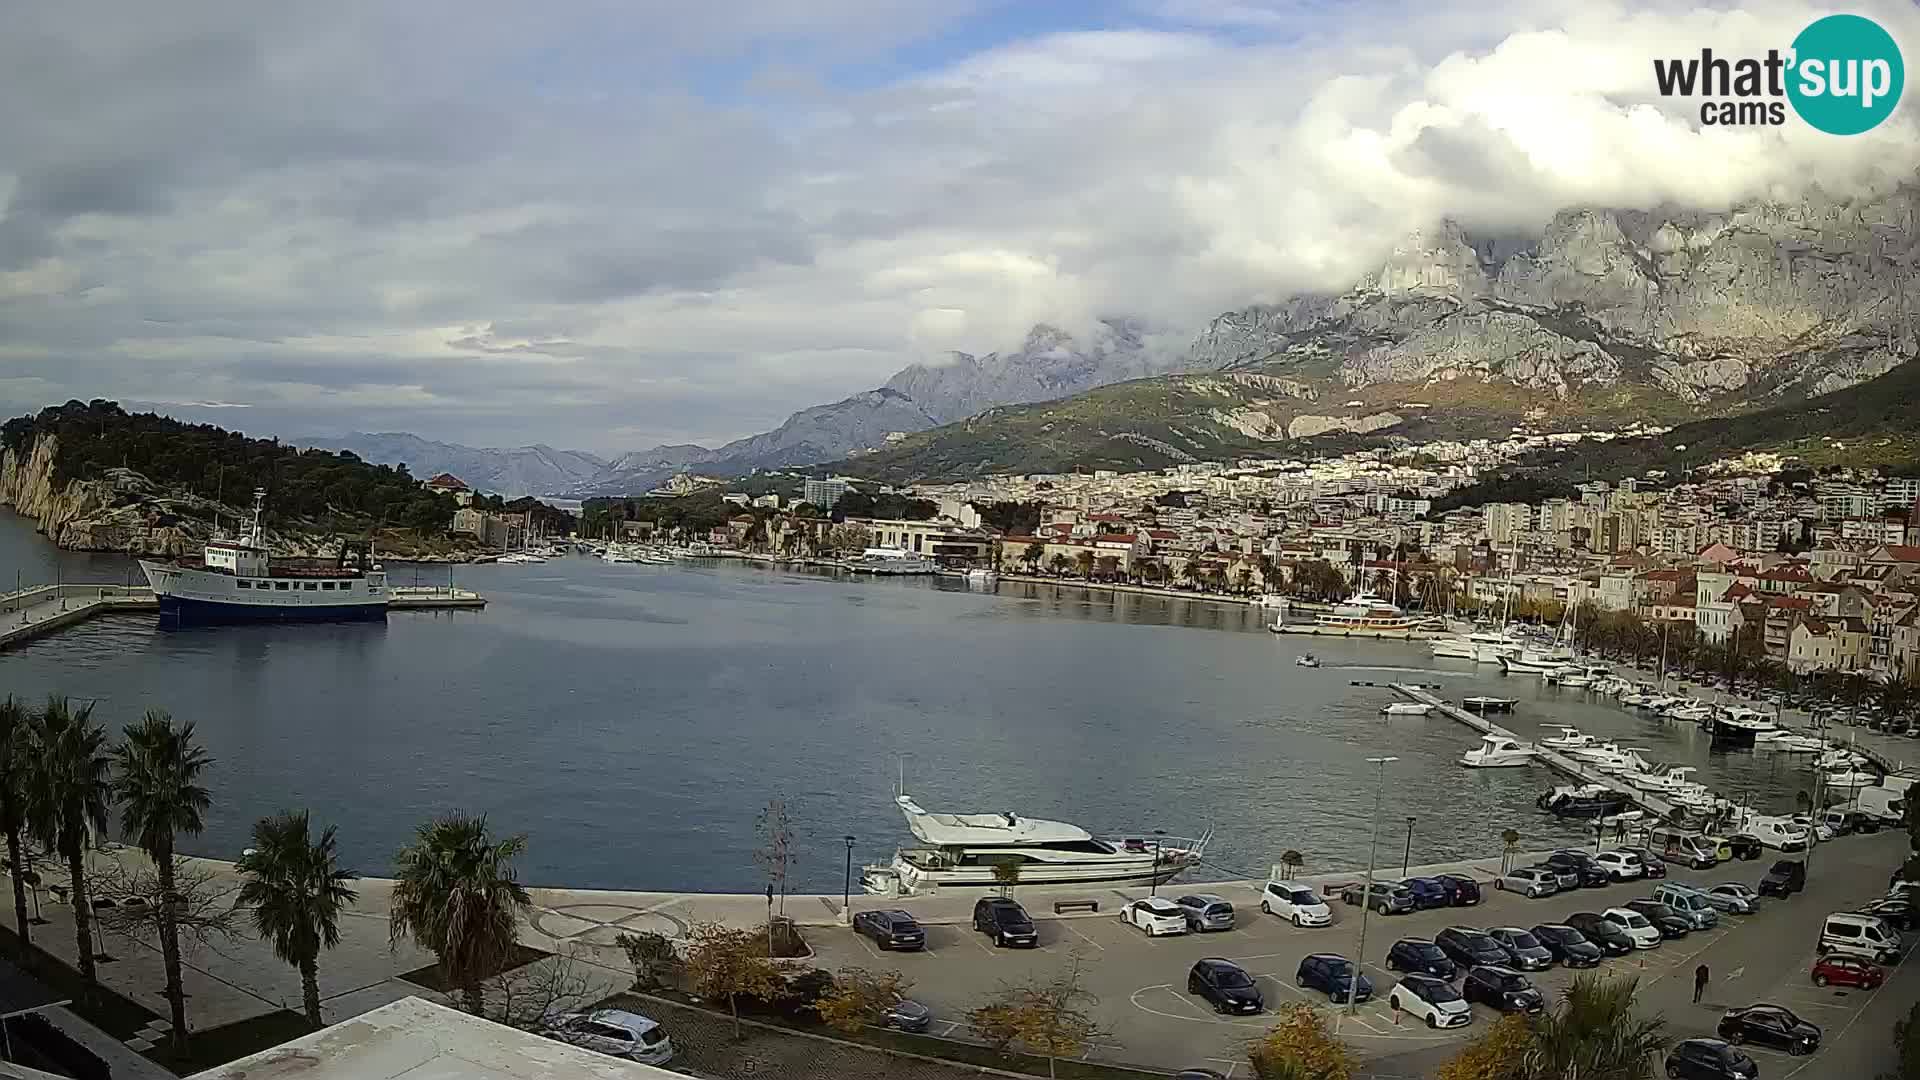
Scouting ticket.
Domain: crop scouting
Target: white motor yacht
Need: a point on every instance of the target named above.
(982, 576)
(1838, 758)
(1569, 740)
(1669, 781)
(1306, 660)
(1407, 708)
(1690, 713)
(1497, 752)
(962, 851)
(1849, 779)
(1481, 646)
(1535, 661)
(1789, 742)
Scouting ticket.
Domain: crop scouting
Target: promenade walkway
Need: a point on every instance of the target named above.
(32, 612)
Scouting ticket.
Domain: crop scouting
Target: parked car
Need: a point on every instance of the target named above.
(1507, 991)
(618, 1033)
(1006, 922)
(1205, 911)
(1533, 882)
(1848, 971)
(1896, 911)
(1226, 985)
(1586, 869)
(1784, 878)
(1772, 1026)
(1427, 893)
(1862, 822)
(1733, 898)
(1621, 865)
(1296, 903)
(1333, 976)
(1569, 946)
(1641, 929)
(1612, 938)
(1746, 846)
(1709, 1059)
(1432, 1000)
(1421, 955)
(890, 929)
(1565, 879)
(906, 1014)
(1689, 903)
(1384, 897)
(1669, 922)
(1462, 891)
(1653, 864)
(1466, 946)
(1524, 951)
(1155, 916)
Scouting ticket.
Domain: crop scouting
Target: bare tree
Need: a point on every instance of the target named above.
(654, 958)
(1048, 1015)
(536, 997)
(200, 905)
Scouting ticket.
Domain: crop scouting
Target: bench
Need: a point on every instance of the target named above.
(1061, 907)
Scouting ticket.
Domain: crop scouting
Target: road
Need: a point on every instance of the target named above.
(1141, 982)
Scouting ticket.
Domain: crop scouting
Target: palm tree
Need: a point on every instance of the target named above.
(456, 895)
(1033, 555)
(158, 765)
(296, 891)
(15, 759)
(67, 795)
(1594, 1034)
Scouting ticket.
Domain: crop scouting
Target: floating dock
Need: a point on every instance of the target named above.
(41, 610)
(1554, 759)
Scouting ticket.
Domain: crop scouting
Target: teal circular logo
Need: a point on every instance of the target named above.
(1847, 74)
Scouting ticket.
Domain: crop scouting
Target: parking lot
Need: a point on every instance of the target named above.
(1141, 982)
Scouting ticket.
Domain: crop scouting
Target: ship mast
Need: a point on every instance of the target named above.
(257, 536)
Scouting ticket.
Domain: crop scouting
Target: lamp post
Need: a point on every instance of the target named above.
(846, 889)
(1406, 857)
(1153, 881)
(1366, 891)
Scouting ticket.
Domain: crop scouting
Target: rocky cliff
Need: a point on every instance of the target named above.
(120, 511)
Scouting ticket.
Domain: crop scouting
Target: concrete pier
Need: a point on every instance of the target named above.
(41, 610)
(1573, 767)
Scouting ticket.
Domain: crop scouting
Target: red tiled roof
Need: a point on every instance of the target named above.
(1903, 553)
(1115, 538)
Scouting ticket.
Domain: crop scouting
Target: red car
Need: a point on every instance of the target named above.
(1847, 971)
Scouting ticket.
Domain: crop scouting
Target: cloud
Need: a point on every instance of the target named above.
(492, 224)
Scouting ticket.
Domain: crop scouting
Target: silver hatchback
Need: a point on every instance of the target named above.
(1206, 911)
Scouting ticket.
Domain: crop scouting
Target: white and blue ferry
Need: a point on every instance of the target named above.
(235, 580)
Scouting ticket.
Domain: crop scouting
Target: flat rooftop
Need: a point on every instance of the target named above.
(418, 1040)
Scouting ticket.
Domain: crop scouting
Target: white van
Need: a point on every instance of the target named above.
(1866, 936)
(1781, 834)
(1689, 903)
(1681, 845)
(1886, 803)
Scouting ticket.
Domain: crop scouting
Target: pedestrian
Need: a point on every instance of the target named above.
(1699, 982)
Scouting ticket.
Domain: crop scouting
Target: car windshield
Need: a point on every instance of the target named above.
(1567, 935)
(653, 1036)
(1219, 909)
(1512, 983)
(1520, 939)
(1231, 978)
(1656, 910)
(1436, 991)
(1635, 920)
(1428, 952)
(1339, 969)
(1305, 897)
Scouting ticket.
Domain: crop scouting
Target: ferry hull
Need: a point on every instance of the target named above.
(183, 611)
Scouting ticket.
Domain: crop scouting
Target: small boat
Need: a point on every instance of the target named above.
(1497, 752)
(1569, 739)
(1480, 703)
(981, 576)
(1275, 600)
(1789, 742)
(1308, 660)
(1407, 708)
(1583, 801)
(1625, 817)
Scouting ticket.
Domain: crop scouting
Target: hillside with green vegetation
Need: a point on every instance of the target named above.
(1876, 423)
(308, 490)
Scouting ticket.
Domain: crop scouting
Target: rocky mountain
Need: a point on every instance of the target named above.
(512, 471)
(1050, 363)
(1607, 316)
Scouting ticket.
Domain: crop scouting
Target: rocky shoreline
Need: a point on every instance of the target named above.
(123, 511)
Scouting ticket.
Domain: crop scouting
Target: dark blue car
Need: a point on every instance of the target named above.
(1428, 893)
(1333, 976)
(1462, 891)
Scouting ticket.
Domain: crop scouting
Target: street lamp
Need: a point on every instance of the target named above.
(846, 890)
(1153, 880)
(1407, 856)
(1366, 891)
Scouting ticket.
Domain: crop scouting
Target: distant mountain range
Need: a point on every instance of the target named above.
(1049, 364)
(1605, 318)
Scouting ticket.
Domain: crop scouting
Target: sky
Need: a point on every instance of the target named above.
(608, 224)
